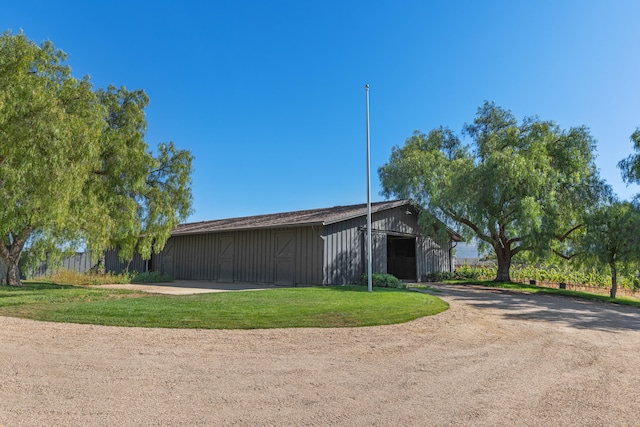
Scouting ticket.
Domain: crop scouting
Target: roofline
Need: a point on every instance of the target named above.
(399, 202)
(455, 236)
(347, 218)
(388, 205)
(264, 227)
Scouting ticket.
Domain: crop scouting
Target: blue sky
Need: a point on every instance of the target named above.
(270, 95)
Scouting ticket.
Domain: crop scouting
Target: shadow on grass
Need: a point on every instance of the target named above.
(575, 312)
(361, 288)
(34, 286)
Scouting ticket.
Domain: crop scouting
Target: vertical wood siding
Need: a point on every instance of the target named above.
(432, 256)
(81, 262)
(113, 263)
(345, 246)
(253, 257)
(333, 254)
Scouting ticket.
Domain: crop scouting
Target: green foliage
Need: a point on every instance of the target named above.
(563, 272)
(325, 307)
(74, 164)
(560, 292)
(440, 276)
(464, 272)
(611, 240)
(66, 277)
(382, 281)
(630, 166)
(151, 277)
(517, 187)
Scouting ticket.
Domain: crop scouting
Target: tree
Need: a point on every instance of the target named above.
(516, 187)
(74, 165)
(611, 239)
(630, 166)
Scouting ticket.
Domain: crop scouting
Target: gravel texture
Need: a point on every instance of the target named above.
(494, 358)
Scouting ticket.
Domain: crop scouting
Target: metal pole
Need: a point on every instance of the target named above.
(369, 257)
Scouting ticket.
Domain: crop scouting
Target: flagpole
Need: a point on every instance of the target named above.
(369, 257)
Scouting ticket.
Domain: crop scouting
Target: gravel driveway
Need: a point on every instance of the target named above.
(494, 358)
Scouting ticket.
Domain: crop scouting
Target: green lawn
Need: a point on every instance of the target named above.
(323, 307)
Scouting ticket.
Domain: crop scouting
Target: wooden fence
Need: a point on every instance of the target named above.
(82, 262)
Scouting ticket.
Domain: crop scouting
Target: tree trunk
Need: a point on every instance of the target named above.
(10, 257)
(13, 274)
(10, 271)
(504, 264)
(614, 280)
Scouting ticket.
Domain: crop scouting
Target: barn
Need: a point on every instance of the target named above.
(311, 247)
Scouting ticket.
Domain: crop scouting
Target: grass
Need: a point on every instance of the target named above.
(323, 307)
(79, 279)
(92, 279)
(551, 291)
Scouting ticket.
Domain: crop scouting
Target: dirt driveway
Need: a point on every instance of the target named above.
(494, 358)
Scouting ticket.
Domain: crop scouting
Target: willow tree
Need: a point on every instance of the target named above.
(517, 187)
(74, 164)
(611, 240)
(630, 166)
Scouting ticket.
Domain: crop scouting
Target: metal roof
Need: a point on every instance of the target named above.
(322, 216)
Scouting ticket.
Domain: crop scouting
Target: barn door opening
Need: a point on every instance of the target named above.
(401, 257)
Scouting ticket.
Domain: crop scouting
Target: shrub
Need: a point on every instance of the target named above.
(151, 277)
(382, 281)
(67, 277)
(475, 272)
(439, 276)
(467, 272)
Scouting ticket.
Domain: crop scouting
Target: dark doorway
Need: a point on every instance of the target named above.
(401, 257)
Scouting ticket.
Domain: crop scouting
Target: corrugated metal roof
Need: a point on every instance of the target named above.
(323, 216)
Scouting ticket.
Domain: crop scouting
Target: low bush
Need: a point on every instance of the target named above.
(467, 272)
(464, 272)
(439, 276)
(67, 277)
(382, 281)
(151, 277)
